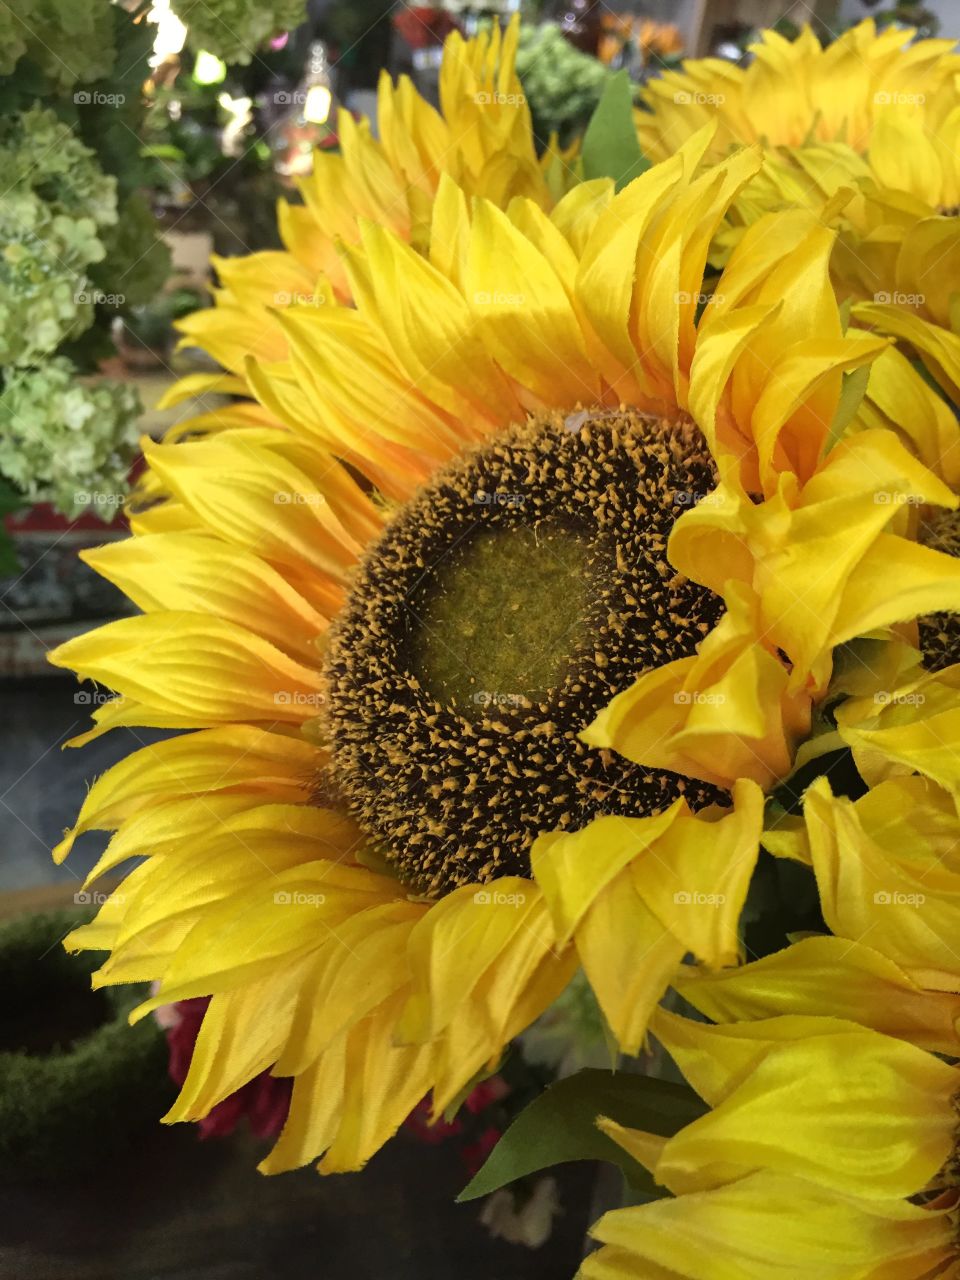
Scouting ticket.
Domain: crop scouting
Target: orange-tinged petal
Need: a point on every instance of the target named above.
(196, 670)
(237, 759)
(190, 573)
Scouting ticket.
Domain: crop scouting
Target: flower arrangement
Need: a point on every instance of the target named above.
(533, 619)
(78, 247)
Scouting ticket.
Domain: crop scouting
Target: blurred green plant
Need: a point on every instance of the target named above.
(235, 29)
(51, 222)
(561, 84)
(79, 246)
(66, 441)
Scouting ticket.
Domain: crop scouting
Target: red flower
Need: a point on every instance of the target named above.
(476, 1153)
(422, 26)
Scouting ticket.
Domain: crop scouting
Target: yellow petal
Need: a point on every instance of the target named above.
(197, 671)
(913, 725)
(238, 759)
(800, 1110)
(523, 313)
(747, 1230)
(726, 714)
(638, 893)
(194, 574)
(904, 905)
(833, 977)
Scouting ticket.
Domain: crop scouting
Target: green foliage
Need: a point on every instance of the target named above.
(40, 153)
(346, 22)
(71, 254)
(10, 501)
(235, 29)
(65, 441)
(77, 1084)
(560, 1125)
(571, 1034)
(562, 85)
(43, 261)
(69, 43)
(611, 148)
(136, 262)
(13, 43)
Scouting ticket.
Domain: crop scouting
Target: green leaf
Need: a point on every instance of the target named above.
(10, 500)
(611, 148)
(560, 1125)
(9, 560)
(851, 395)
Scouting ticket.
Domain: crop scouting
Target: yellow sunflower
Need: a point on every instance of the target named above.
(482, 137)
(829, 1152)
(831, 1146)
(864, 87)
(866, 134)
(390, 837)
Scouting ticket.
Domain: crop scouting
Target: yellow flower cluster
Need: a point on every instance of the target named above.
(453, 287)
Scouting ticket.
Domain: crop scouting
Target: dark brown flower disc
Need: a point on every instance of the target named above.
(940, 632)
(500, 610)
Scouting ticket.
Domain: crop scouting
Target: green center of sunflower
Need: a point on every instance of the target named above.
(499, 615)
(501, 609)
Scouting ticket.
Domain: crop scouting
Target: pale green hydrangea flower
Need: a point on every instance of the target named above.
(235, 29)
(561, 84)
(66, 441)
(56, 204)
(71, 41)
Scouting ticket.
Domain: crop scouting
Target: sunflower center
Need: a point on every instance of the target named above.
(501, 613)
(940, 632)
(500, 610)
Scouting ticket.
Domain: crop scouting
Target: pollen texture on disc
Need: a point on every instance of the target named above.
(500, 610)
